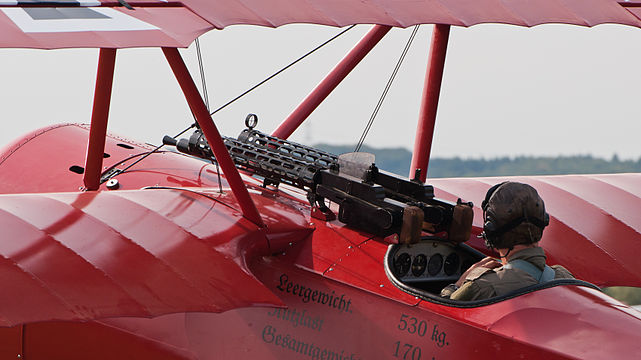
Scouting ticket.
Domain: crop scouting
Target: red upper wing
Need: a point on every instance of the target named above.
(222, 13)
(177, 24)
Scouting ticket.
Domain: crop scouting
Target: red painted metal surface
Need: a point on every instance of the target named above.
(337, 319)
(99, 117)
(429, 102)
(212, 135)
(361, 267)
(330, 242)
(23, 170)
(561, 322)
(11, 342)
(51, 340)
(566, 322)
(595, 229)
(331, 81)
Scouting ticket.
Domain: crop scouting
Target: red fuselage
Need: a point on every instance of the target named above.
(339, 302)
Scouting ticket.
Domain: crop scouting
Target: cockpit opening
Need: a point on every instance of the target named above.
(425, 268)
(431, 264)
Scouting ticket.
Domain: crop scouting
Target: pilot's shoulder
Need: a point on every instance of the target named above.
(561, 273)
(473, 290)
(478, 272)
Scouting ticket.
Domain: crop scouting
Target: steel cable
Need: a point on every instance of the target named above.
(283, 69)
(387, 87)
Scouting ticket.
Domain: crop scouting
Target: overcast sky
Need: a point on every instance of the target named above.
(548, 90)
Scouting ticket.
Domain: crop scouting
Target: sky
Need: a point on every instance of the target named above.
(507, 91)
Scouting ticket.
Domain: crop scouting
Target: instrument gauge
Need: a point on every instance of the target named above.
(419, 264)
(452, 264)
(402, 264)
(435, 264)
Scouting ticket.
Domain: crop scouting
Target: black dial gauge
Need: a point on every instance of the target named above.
(435, 264)
(402, 264)
(452, 264)
(418, 265)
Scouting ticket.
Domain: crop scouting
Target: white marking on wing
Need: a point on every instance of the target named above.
(115, 21)
(78, 2)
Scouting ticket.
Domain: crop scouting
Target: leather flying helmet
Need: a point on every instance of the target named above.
(513, 214)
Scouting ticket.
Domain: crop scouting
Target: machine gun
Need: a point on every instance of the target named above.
(368, 199)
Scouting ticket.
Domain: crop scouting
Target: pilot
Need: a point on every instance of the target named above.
(514, 216)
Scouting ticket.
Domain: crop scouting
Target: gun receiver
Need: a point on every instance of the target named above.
(376, 202)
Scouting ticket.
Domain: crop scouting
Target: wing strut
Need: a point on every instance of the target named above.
(212, 135)
(99, 117)
(331, 81)
(429, 104)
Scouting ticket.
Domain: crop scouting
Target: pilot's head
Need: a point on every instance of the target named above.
(514, 214)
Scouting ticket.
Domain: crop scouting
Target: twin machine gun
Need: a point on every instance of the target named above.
(368, 198)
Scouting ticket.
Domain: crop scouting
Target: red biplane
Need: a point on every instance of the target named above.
(256, 247)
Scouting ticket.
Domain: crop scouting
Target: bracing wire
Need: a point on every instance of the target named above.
(206, 98)
(387, 87)
(283, 69)
(202, 73)
(118, 172)
(201, 67)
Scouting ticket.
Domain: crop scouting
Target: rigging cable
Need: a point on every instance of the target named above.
(283, 69)
(202, 73)
(206, 96)
(206, 99)
(387, 87)
(118, 172)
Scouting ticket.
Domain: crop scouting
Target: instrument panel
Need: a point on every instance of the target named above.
(431, 260)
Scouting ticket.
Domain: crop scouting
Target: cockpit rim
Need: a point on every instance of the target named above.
(437, 299)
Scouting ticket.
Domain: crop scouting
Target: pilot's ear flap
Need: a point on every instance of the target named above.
(461, 226)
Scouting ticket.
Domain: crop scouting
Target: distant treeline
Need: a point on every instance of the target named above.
(397, 160)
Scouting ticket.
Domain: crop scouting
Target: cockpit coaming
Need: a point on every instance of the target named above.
(430, 264)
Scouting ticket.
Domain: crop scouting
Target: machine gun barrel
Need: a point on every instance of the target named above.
(273, 159)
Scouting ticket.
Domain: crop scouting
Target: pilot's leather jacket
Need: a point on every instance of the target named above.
(483, 283)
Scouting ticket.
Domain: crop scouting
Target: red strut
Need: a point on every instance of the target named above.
(212, 135)
(331, 81)
(429, 103)
(99, 116)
